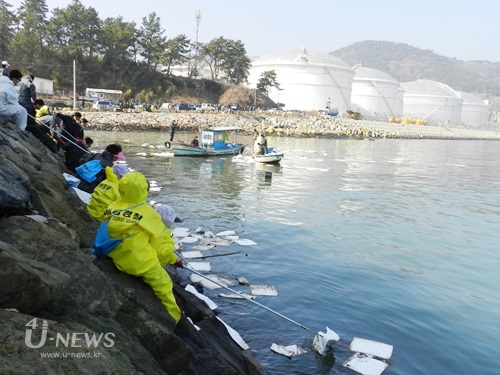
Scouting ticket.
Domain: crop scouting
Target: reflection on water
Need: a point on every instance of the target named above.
(392, 240)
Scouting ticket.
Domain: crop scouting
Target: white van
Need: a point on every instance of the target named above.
(207, 107)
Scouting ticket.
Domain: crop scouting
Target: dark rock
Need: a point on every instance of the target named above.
(49, 280)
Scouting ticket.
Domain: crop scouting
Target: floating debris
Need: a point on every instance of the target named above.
(191, 289)
(322, 339)
(192, 254)
(180, 232)
(226, 233)
(245, 242)
(209, 235)
(374, 348)
(189, 239)
(237, 296)
(365, 364)
(209, 284)
(200, 230)
(242, 281)
(263, 290)
(217, 241)
(141, 154)
(288, 351)
(203, 247)
(199, 266)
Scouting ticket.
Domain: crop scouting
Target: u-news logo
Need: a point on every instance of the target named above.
(68, 340)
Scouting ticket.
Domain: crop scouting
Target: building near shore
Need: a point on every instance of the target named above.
(376, 93)
(432, 101)
(475, 111)
(308, 80)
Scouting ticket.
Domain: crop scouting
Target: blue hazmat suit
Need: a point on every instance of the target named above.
(150, 245)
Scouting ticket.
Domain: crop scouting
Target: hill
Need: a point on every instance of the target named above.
(407, 63)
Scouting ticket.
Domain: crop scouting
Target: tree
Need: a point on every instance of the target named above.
(267, 81)
(29, 41)
(118, 37)
(176, 52)
(151, 40)
(227, 60)
(7, 23)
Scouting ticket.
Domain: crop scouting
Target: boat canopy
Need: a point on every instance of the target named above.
(225, 128)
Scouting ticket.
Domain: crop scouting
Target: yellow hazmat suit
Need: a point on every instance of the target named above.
(105, 193)
(150, 245)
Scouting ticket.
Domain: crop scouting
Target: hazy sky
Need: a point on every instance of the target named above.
(466, 30)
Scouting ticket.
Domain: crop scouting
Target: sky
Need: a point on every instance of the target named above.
(461, 29)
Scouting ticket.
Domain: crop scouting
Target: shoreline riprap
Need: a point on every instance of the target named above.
(281, 125)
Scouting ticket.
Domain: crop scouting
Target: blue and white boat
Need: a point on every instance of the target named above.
(214, 142)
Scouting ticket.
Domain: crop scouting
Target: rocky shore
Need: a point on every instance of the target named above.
(61, 312)
(280, 124)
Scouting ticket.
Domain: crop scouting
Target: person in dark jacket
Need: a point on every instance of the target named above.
(73, 152)
(173, 126)
(112, 153)
(71, 128)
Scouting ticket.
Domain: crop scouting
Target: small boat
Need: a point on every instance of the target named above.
(272, 157)
(214, 142)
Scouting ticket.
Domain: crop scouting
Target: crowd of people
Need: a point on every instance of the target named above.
(118, 196)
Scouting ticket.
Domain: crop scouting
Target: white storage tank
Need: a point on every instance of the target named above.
(432, 101)
(475, 111)
(308, 79)
(376, 92)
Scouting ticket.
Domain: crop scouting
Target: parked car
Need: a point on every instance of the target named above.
(207, 107)
(181, 107)
(101, 105)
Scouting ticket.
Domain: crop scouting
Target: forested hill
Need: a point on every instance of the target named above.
(407, 63)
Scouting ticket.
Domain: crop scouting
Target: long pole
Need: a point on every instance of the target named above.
(242, 295)
(74, 85)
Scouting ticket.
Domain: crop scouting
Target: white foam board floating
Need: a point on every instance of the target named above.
(209, 284)
(235, 336)
(192, 254)
(226, 233)
(374, 348)
(203, 247)
(288, 351)
(236, 295)
(189, 239)
(245, 242)
(365, 364)
(211, 304)
(322, 339)
(263, 290)
(180, 232)
(199, 266)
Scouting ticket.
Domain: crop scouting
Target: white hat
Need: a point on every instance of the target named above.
(167, 214)
(120, 170)
(6, 64)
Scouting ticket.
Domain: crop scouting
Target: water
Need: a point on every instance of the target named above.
(389, 240)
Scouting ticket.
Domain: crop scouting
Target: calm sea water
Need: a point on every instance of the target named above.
(389, 240)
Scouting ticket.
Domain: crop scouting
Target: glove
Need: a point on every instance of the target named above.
(178, 264)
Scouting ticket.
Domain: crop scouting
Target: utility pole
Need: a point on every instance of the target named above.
(197, 17)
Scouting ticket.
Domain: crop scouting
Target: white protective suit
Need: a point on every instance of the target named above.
(10, 109)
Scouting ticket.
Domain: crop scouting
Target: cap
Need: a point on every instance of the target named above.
(120, 155)
(167, 214)
(120, 170)
(6, 63)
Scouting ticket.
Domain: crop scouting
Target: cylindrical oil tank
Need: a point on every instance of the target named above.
(309, 80)
(376, 92)
(432, 101)
(475, 111)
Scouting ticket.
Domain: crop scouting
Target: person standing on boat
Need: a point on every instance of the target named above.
(263, 142)
(173, 126)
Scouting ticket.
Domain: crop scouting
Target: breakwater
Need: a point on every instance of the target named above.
(281, 125)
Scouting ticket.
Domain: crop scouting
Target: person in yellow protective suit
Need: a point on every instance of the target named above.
(149, 246)
(106, 192)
